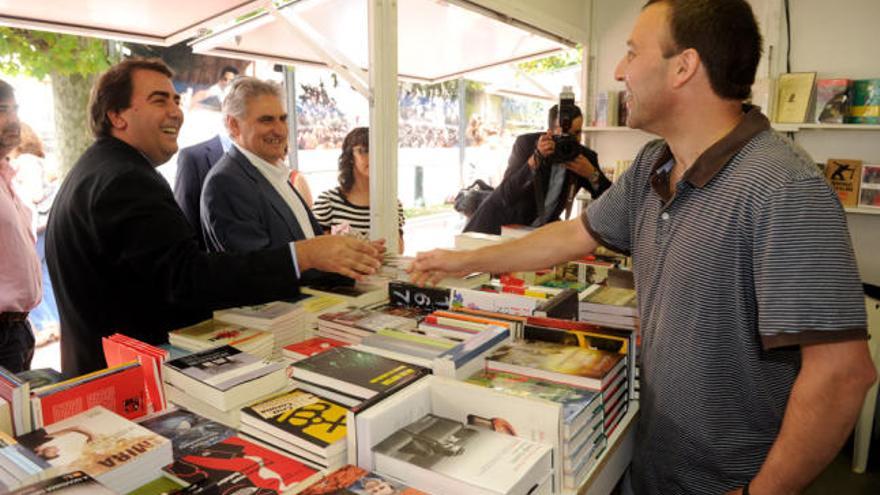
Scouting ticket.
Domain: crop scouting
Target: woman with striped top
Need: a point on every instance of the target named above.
(346, 209)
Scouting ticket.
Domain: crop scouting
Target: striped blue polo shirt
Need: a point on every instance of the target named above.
(748, 258)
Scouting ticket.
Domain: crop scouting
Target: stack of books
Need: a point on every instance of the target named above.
(359, 294)
(309, 428)
(409, 346)
(288, 322)
(118, 453)
(209, 334)
(216, 383)
(308, 348)
(16, 393)
(237, 465)
(610, 306)
(352, 324)
(120, 349)
(119, 389)
(601, 371)
(18, 465)
(351, 479)
(440, 455)
(583, 436)
(349, 376)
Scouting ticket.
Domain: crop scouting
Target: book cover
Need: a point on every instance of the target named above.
(187, 431)
(352, 480)
(869, 194)
(223, 368)
(370, 374)
(96, 441)
(302, 418)
(212, 333)
(366, 319)
(405, 294)
(795, 94)
(844, 176)
(310, 347)
(864, 102)
(75, 483)
(514, 304)
(41, 377)
(577, 366)
(236, 465)
(832, 101)
(606, 299)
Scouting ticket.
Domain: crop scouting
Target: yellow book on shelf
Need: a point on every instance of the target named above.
(794, 96)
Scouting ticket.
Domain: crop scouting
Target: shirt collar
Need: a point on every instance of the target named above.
(276, 171)
(225, 141)
(715, 157)
(6, 170)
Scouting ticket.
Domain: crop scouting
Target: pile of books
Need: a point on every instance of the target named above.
(609, 306)
(120, 454)
(350, 377)
(440, 455)
(16, 392)
(216, 383)
(120, 349)
(309, 428)
(352, 324)
(360, 294)
(18, 465)
(288, 322)
(211, 333)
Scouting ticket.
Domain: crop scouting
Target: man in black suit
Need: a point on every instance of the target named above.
(122, 255)
(193, 164)
(535, 188)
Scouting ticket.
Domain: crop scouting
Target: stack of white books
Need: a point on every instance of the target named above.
(352, 324)
(609, 306)
(211, 333)
(19, 466)
(288, 322)
(120, 454)
(216, 383)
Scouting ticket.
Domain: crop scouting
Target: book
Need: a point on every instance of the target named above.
(19, 466)
(832, 101)
(288, 321)
(764, 95)
(309, 348)
(844, 176)
(576, 366)
(303, 419)
(364, 321)
(360, 294)
(794, 96)
(115, 451)
(609, 300)
(405, 294)
(236, 465)
(16, 392)
(864, 102)
(187, 431)
(120, 349)
(355, 373)
(869, 190)
(352, 480)
(5, 417)
(440, 455)
(211, 333)
(75, 483)
(225, 377)
(41, 377)
(605, 113)
(520, 305)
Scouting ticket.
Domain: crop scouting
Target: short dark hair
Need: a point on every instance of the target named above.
(359, 136)
(553, 115)
(227, 68)
(6, 90)
(725, 34)
(112, 91)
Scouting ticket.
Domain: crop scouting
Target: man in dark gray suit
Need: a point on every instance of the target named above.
(248, 203)
(193, 164)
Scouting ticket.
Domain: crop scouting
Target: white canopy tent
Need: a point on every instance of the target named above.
(439, 40)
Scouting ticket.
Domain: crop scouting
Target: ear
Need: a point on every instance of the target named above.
(232, 126)
(685, 66)
(117, 120)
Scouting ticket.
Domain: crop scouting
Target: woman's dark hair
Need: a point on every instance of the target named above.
(359, 136)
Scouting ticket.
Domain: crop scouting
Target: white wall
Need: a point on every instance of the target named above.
(831, 38)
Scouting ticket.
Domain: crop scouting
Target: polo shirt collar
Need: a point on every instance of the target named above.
(715, 157)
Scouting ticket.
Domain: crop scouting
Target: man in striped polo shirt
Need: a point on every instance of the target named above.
(754, 360)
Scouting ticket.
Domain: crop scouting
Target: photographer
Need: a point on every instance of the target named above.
(544, 174)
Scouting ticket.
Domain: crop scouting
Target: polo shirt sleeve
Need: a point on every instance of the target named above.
(607, 218)
(807, 285)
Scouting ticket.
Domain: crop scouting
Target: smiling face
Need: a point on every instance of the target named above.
(10, 131)
(263, 129)
(152, 121)
(645, 70)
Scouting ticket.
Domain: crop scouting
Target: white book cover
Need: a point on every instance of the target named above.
(512, 304)
(223, 368)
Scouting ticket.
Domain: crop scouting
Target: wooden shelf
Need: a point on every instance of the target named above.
(824, 127)
(863, 210)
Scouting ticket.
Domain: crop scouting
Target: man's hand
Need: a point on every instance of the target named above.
(582, 166)
(344, 255)
(545, 147)
(432, 266)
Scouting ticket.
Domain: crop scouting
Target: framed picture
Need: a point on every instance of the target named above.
(869, 195)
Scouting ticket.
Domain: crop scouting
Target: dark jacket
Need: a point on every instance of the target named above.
(123, 258)
(242, 212)
(519, 198)
(193, 164)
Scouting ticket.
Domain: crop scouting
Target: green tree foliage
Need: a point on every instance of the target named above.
(554, 62)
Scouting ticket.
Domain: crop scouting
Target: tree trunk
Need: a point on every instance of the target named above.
(72, 134)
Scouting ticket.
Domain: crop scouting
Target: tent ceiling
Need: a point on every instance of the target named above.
(158, 22)
(438, 41)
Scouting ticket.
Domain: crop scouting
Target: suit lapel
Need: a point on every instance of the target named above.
(268, 192)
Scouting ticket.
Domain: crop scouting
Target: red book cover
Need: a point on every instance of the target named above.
(313, 346)
(543, 321)
(120, 349)
(121, 392)
(238, 466)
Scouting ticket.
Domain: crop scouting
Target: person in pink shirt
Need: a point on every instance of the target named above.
(20, 280)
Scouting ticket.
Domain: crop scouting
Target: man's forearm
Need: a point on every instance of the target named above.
(820, 415)
(547, 246)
